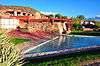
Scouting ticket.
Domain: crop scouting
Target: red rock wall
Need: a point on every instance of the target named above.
(43, 26)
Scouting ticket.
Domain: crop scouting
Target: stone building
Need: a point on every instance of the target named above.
(28, 19)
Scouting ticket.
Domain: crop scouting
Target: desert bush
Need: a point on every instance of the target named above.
(9, 54)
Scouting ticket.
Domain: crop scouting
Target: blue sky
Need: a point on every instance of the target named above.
(89, 8)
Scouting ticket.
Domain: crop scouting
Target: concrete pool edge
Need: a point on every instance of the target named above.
(81, 36)
(60, 52)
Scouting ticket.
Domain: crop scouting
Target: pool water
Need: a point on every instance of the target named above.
(68, 42)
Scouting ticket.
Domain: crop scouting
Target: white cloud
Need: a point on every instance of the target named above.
(48, 13)
(97, 15)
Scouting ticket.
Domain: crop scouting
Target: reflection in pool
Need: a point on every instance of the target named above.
(68, 42)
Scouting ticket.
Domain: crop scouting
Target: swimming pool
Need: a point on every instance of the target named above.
(68, 42)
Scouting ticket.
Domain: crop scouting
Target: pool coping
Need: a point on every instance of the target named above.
(60, 52)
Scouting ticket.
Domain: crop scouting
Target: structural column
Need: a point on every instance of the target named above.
(15, 13)
(60, 28)
(64, 26)
(21, 13)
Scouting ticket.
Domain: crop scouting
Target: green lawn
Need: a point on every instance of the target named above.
(65, 60)
(90, 33)
(20, 40)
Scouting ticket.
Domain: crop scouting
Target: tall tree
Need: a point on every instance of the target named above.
(64, 17)
(58, 15)
(81, 17)
(51, 16)
(75, 20)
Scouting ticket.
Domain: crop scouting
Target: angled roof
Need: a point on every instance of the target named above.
(16, 8)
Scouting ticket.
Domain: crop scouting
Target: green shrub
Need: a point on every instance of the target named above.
(77, 26)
